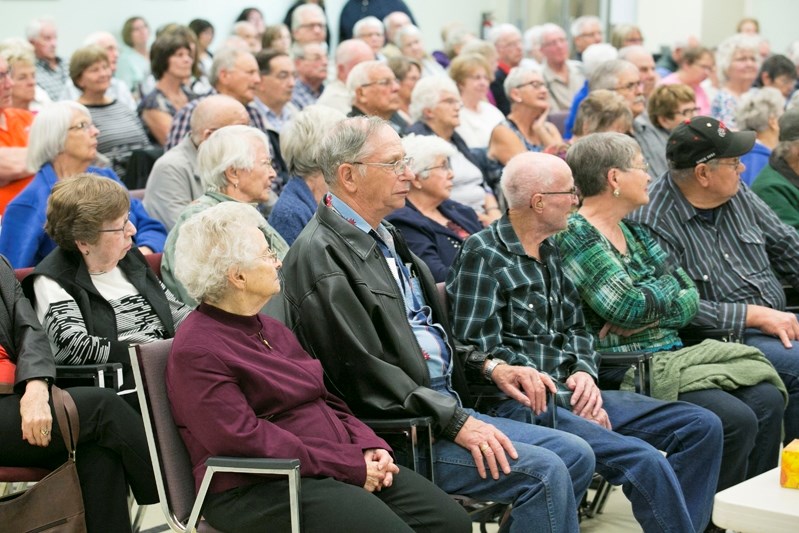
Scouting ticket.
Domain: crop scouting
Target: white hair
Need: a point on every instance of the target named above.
(580, 22)
(727, 48)
(516, 77)
(526, 173)
(500, 30)
(531, 38)
(757, 107)
(34, 27)
(409, 30)
(302, 136)
(224, 59)
(226, 148)
(547, 28)
(98, 37)
(424, 149)
(16, 49)
(359, 75)
(213, 242)
(427, 93)
(49, 131)
(366, 22)
(596, 54)
(296, 17)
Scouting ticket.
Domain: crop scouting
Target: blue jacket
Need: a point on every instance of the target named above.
(755, 160)
(22, 237)
(294, 208)
(435, 244)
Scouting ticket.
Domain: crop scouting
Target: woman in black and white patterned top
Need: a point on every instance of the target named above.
(95, 294)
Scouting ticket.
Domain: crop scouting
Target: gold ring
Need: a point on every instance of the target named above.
(45, 431)
(485, 447)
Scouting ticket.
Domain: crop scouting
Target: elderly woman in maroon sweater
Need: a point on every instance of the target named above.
(241, 385)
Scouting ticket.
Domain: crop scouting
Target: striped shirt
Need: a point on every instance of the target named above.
(121, 132)
(630, 290)
(734, 260)
(52, 80)
(518, 309)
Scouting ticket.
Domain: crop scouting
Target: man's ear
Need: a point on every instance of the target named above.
(346, 177)
(702, 174)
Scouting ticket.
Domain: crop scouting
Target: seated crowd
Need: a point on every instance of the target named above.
(498, 214)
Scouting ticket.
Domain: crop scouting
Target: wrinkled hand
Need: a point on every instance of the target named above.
(772, 322)
(541, 121)
(34, 409)
(486, 443)
(525, 385)
(602, 419)
(586, 398)
(623, 332)
(380, 469)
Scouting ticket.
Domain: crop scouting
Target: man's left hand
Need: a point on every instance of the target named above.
(586, 398)
(525, 385)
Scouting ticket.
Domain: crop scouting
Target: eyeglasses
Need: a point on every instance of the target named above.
(120, 230)
(535, 84)
(734, 163)
(451, 101)
(82, 126)
(447, 165)
(283, 75)
(629, 86)
(269, 256)
(312, 25)
(687, 113)
(596, 33)
(399, 166)
(574, 191)
(559, 40)
(385, 82)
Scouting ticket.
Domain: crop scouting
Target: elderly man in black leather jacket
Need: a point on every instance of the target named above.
(364, 305)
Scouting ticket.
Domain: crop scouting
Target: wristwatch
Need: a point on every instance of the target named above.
(489, 367)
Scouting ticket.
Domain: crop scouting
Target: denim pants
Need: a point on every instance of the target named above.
(672, 493)
(546, 482)
(786, 362)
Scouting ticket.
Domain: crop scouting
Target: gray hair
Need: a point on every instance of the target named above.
(597, 54)
(592, 157)
(224, 59)
(98, 38)
(296, 17)
(365, 22)
(793, 52)
(302, 136)
(298, 50)
(457, 37)
(606, 75)
(224, 149)
(212, 243)
(410, 29)
(547, 28)
(525, 174)
(15, 50)
(580, 22)
(427, 93)
(531, 38)
(516, 77)
(424, 149)
(727, 49)
(628, 52)
(756, 107)
(34, 27)
(390, 23)
(500, 30)
(359, 75)
(348, 141)
(49, 131)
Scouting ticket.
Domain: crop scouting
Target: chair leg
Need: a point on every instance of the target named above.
(138, 518)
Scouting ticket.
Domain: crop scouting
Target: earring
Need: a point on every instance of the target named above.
(87, 252)
(236, 186)
(616, 192)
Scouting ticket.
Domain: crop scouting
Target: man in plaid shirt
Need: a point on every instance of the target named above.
(511, 299)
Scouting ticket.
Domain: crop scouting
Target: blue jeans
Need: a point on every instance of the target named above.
(786, 362)
(550, 476)
(672, 493)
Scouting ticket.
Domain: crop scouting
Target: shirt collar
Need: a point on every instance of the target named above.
(507, 236)
(683, 207)
(347, 213)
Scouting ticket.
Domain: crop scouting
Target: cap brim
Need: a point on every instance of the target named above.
(742, 142)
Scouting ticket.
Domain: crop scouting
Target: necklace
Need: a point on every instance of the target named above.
(263, 340)
(97, 273)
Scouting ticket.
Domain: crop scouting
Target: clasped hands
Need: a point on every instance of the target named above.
(380, 469)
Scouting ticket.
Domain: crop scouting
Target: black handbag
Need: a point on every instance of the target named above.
(55, 503)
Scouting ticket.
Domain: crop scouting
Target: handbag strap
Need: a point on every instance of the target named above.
(66, 413)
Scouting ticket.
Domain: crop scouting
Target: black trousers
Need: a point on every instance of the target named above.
(111, 454)
(412, 503)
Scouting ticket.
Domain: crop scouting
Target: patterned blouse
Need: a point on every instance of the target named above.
(630, 290)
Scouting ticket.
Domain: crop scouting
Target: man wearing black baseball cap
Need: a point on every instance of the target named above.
(730, 243)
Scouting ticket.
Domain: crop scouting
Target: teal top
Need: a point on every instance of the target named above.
(629, 290)
(779, 193)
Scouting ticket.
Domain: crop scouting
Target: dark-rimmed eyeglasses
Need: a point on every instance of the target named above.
(399, 166)
(574, 191)
(535, 84)
(114, 230)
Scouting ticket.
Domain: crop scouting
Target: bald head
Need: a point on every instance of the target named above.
(215, 112)
(348, 54)
(528, 173)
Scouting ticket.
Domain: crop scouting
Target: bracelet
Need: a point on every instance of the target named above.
(492, 364)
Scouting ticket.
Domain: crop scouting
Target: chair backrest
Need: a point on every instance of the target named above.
(154, 262)
(171, 463)
(558, 118)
